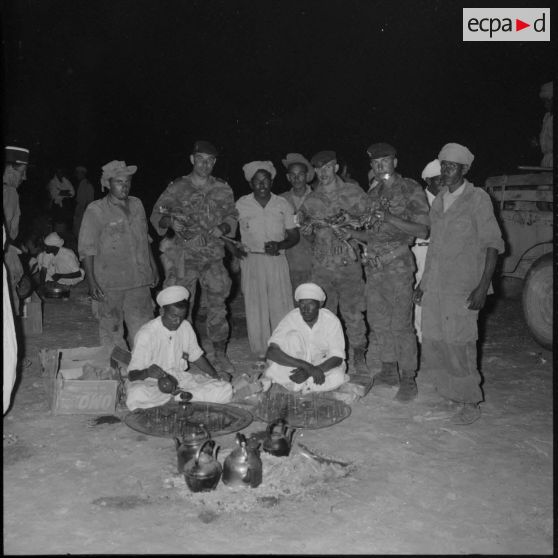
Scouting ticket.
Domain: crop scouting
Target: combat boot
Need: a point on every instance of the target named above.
(387, 375)
(221, 360)
(359, 360)
(407, 387)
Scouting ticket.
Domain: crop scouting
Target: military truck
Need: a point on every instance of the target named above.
(524, 204)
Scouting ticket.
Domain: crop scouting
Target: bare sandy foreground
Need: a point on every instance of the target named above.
(414, 483)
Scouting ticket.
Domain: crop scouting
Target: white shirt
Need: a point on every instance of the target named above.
(171, 350)
(325, 339)
(64, 261)
(430, 197)
(449, 198)
(262, 224)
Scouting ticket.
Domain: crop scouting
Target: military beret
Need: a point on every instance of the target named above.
(323, 157)
(377, 150)
(202, 146)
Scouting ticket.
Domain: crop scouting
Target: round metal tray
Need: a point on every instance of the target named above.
(169, 420)
(310, 411)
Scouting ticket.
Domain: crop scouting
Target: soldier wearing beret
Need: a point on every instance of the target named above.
(336, 265)
(400, 211)
(200, 209)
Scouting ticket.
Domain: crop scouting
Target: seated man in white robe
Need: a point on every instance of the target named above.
(307, 349)
(57, 264)
(165, 346)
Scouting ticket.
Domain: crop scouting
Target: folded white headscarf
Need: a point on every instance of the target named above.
(309, 290)
(250, 169)
(53, 239)
(173, 294)
(432, 169)
(456, 153)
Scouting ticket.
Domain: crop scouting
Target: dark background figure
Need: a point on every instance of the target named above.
(62, 194)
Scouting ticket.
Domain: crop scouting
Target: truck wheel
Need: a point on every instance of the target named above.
(537, 300)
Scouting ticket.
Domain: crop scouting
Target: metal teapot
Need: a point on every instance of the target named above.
(203, 472)
(279, 441)
(169, 384)
(243, 466)
(194, 437)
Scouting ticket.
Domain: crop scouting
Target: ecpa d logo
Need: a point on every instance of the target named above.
(506, 24)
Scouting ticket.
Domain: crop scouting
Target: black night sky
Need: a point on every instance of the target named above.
(88, 81)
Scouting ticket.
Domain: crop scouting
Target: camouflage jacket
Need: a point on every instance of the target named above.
(405, 199)
(327, 250)
(200, 209)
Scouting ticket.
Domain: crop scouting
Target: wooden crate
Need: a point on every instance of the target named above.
(68, 395)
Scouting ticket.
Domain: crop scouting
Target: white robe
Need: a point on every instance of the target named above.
(9, 340)
(312, 344)
(420, 259)
(171, 350)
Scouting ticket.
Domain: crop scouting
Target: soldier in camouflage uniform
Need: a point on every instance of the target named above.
(400, 211)
(200, 209)
(336, 265)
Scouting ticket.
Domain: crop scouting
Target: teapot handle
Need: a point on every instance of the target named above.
(201, 448)
(274, 423)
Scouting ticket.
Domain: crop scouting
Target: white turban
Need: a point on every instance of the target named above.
(53, 239)
(432, 169)
(309, 290)
(250, 169)
(456, 153)
(173, 294)
(547, 91)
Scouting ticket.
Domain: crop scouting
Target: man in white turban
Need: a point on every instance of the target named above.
(58, 264)
(546, 135)
(307, 349)
(464, 244)
(165, 346)
(267, 229)
(431, 176)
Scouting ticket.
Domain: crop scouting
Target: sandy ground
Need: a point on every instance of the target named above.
(416, 483)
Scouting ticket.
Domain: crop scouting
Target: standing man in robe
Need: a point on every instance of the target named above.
(200, 209)
(431, 176)
(464, 247)
(267, 229)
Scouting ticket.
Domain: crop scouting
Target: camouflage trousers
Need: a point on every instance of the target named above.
(389, 305)
(215, 281)
(344, 288)
(132, 306)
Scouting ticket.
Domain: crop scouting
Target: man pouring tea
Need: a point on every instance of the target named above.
(165, 346)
